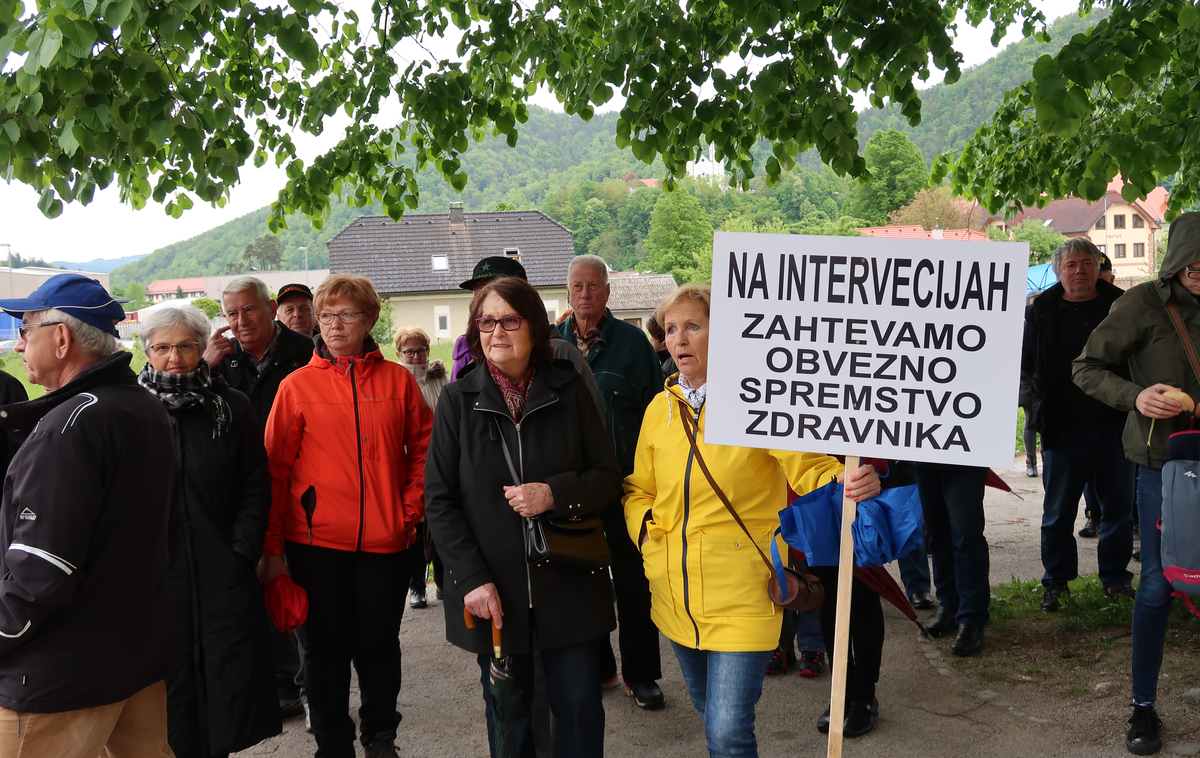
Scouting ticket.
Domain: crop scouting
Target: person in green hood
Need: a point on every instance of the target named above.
(1138, 333)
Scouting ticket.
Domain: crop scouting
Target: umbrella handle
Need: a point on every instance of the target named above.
(468, 619)
(496, 644)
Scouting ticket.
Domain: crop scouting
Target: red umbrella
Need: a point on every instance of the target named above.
(287, 603)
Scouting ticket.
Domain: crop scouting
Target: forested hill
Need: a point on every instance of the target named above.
(556, 151)
(950, 114)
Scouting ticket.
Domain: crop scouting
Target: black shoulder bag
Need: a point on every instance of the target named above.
(577, 541)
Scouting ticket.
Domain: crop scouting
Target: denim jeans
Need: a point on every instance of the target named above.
(952, 504)
(808, 631)
(1071, 461)
(914, 570)
(1153, 605)
(724, 688)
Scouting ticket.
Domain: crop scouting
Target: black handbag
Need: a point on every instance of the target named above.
(576, 541)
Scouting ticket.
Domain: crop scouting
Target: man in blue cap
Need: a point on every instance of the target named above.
(86, 633)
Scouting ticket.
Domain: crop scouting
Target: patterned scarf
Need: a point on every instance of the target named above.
(178, 391)
(695, 397)
(586, 342)
(514, 393)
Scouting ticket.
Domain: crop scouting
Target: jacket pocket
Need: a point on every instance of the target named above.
(655, 563)
(733, 577)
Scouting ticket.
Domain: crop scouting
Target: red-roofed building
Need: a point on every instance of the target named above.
(1155, 202)
(167, 289)
(921, 233)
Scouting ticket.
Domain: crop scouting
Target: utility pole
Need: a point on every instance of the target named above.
(305, 249)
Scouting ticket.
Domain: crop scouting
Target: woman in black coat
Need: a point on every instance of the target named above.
(476, 512)
(222, 697)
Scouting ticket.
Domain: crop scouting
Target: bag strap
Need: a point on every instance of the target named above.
(1188, 347)
(685, 412)
(507, 455)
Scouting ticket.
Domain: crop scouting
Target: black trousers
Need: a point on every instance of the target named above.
(418, 563)
(866, 633)
(355, 603)
(641, 659)
(573, 686)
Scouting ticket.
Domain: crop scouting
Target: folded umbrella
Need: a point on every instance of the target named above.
(503, 693)
(887, 526)
(287, 603)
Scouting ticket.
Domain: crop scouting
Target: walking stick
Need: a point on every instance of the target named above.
(841, 631)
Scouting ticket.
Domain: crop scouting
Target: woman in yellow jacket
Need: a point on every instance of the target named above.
(708, 586)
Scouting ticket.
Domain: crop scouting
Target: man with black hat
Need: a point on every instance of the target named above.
(86, 632)
(296, 309)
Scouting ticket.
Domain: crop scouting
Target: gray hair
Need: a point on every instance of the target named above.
(93, 340)
(588, 261)
(165, 318)
(1070, 247)
(245, 284)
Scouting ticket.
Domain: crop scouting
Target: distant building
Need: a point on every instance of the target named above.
(418, 262)
(19, 282)
(1122, 229)
(212, 286)
(634, 183)
(921, 233)
(169, 289)
(635, 296)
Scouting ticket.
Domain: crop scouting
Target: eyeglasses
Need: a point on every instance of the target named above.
(185, 349)
(23, 329)
(415, 353)
(346, 317)
(488, 325)
(1192, 273)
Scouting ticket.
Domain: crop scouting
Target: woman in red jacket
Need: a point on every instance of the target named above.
(346, 444)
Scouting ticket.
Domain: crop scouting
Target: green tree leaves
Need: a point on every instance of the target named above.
(681, 238)
(898, 172)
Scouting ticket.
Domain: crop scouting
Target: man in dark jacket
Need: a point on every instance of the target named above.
(1081, 436)
(86, 633)
(1138, 333)
(261, 353)
(629, 375)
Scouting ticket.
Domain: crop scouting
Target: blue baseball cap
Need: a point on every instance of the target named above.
(73, 294)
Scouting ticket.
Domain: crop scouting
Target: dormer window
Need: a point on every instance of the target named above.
(512, 252)
(441, 263)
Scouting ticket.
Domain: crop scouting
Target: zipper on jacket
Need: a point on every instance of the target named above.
(361, 478)
(687, 511)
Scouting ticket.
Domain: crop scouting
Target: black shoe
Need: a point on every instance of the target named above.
(1031, 468)
(289, 707)
(383, 746)
(922, 601)
(1051, 596)
(646, 696)
(969, 640)
(1118, 591)
(1091, 529)
(418, 599)
(778, 662)
(1143, 738)
(823, 722)
(812, 663)
(860, 718)
(942, 622)
(437, 593)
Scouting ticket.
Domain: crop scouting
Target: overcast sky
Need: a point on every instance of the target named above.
(108, 229)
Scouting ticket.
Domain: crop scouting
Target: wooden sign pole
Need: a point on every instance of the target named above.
(841, 633)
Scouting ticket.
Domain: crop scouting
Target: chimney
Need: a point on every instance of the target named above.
(456, 213)
(936, 231)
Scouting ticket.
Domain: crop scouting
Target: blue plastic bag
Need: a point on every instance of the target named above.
(887, 526)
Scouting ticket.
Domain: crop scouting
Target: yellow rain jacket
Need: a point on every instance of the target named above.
(708, 584)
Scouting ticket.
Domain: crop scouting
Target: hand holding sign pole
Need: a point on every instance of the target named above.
(841, 631)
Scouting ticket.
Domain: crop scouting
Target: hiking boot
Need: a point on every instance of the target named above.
(418, 599)
(778, 662)
(812, 663)
(646, 696)
(1051, 595)
(1091, 529)
(1118, 591)
(1142, 738)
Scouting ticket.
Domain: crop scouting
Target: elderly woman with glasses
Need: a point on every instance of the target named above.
(412, 346)
(520, 405)
(346, 441)
(221, 698)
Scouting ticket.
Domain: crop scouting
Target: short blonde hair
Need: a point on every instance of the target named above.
(409, 333)
(695, 292)
(352, 287)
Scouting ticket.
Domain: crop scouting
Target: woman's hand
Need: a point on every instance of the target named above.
(863, 485)
(530, 500)
(271, 566)
(484, 603)
(1151, 403)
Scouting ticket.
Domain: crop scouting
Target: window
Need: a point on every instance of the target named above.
(1101, 248)
(551, 310)
(512, 252)
(1139, 249)
(1118, 251)
(1138, 221)
(441, 263)
(1119, 222)
(1100, 223)
(441, 320)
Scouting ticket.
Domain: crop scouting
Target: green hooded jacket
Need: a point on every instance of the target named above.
(1138, 332)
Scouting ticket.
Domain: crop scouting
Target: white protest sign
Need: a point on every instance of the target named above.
(896, 348)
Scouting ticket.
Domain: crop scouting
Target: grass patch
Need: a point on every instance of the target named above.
(1086, 609)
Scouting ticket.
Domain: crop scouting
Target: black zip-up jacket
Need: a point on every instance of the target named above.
(237, 368)
(84, 615)
(560, 441)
